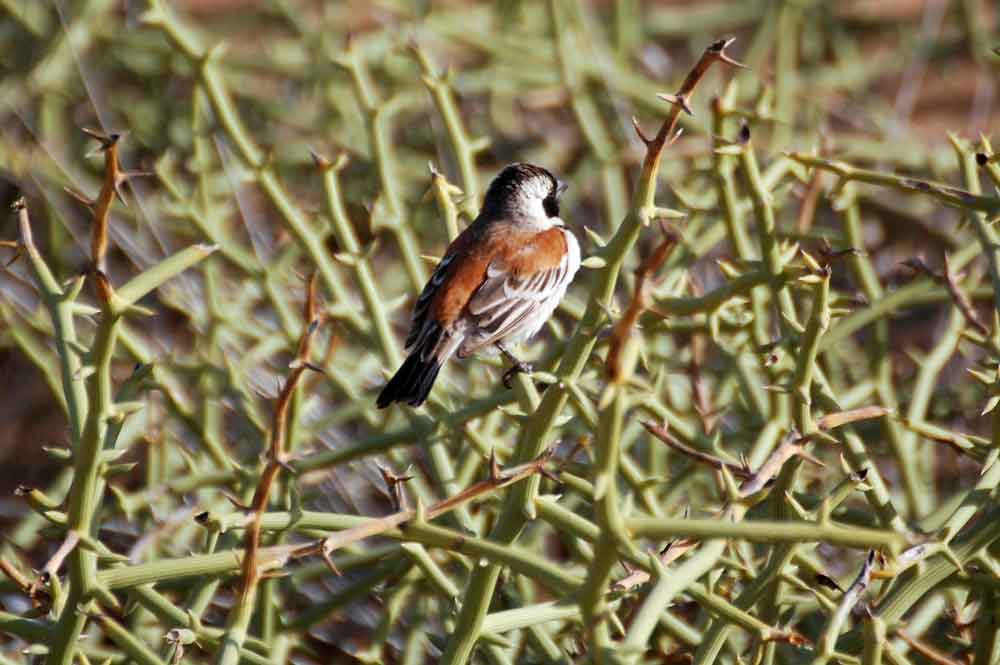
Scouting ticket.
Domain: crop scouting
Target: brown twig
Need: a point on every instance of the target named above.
(663, 434)
(279, 431)
(716, 52)
(950, 282)
(926, 650)
(673, 551)
(753, 481)
(111, 188)
(810, 199)
(791, 447)
(839, 418)
(699, 392)
(37, 593)
(640, 300)
(54, 563)
(497, 479)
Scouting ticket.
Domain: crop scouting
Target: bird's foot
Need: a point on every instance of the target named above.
(517, 368)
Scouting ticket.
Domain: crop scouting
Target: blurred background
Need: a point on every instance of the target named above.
(382, 89)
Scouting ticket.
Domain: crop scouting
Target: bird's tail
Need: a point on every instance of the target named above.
(412, 383)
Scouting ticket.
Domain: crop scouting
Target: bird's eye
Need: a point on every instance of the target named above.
(551, 205)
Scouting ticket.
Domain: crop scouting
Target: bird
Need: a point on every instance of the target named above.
(498, 282)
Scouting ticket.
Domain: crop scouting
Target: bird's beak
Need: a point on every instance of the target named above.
(561, 186)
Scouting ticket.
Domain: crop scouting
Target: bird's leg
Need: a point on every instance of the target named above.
(517, 368)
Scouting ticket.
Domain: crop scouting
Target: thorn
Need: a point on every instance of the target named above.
(495, 470)
(118, 181)
(721, 54)
(235, 501)
(810, 458)
(321, 162)
(80, 196)
(13, 259)
(395, 486)
(328, 560)
(638, 130)
(284, 464)
(679, 100)
(107, 141)
(124, 176)
(274, 574)
(548, 474)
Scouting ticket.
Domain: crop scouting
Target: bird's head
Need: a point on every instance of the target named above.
(525, 193)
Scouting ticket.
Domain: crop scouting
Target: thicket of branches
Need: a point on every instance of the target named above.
(761, 426)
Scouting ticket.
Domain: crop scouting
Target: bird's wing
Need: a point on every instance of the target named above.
(520, 283)
(418, 326)
(436, 327)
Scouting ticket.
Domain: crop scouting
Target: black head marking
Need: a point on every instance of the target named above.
(551, 202)
(519, 180)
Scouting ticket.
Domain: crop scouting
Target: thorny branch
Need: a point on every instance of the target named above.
(950, 281)
(498, 478)
(276, 455)
(640, 300)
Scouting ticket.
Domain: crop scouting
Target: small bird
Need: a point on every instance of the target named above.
(498, 283)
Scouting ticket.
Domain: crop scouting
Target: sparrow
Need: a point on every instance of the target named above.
(498, 283)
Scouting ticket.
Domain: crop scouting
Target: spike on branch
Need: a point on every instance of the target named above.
(718, 49)
(679, 100)
(499, 478)
(277, 460)
(111, 188)
(107, 141)
(950, 282)
(321, 162)
(640, 299)
(716, 52)
(639, 131)
(395, 485)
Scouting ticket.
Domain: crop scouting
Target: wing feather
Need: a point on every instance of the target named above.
(418, 319)
(507, 303)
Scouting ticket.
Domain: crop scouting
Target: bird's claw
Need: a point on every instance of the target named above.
(515, 369)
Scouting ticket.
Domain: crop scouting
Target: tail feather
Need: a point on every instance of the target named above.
(411, 384)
